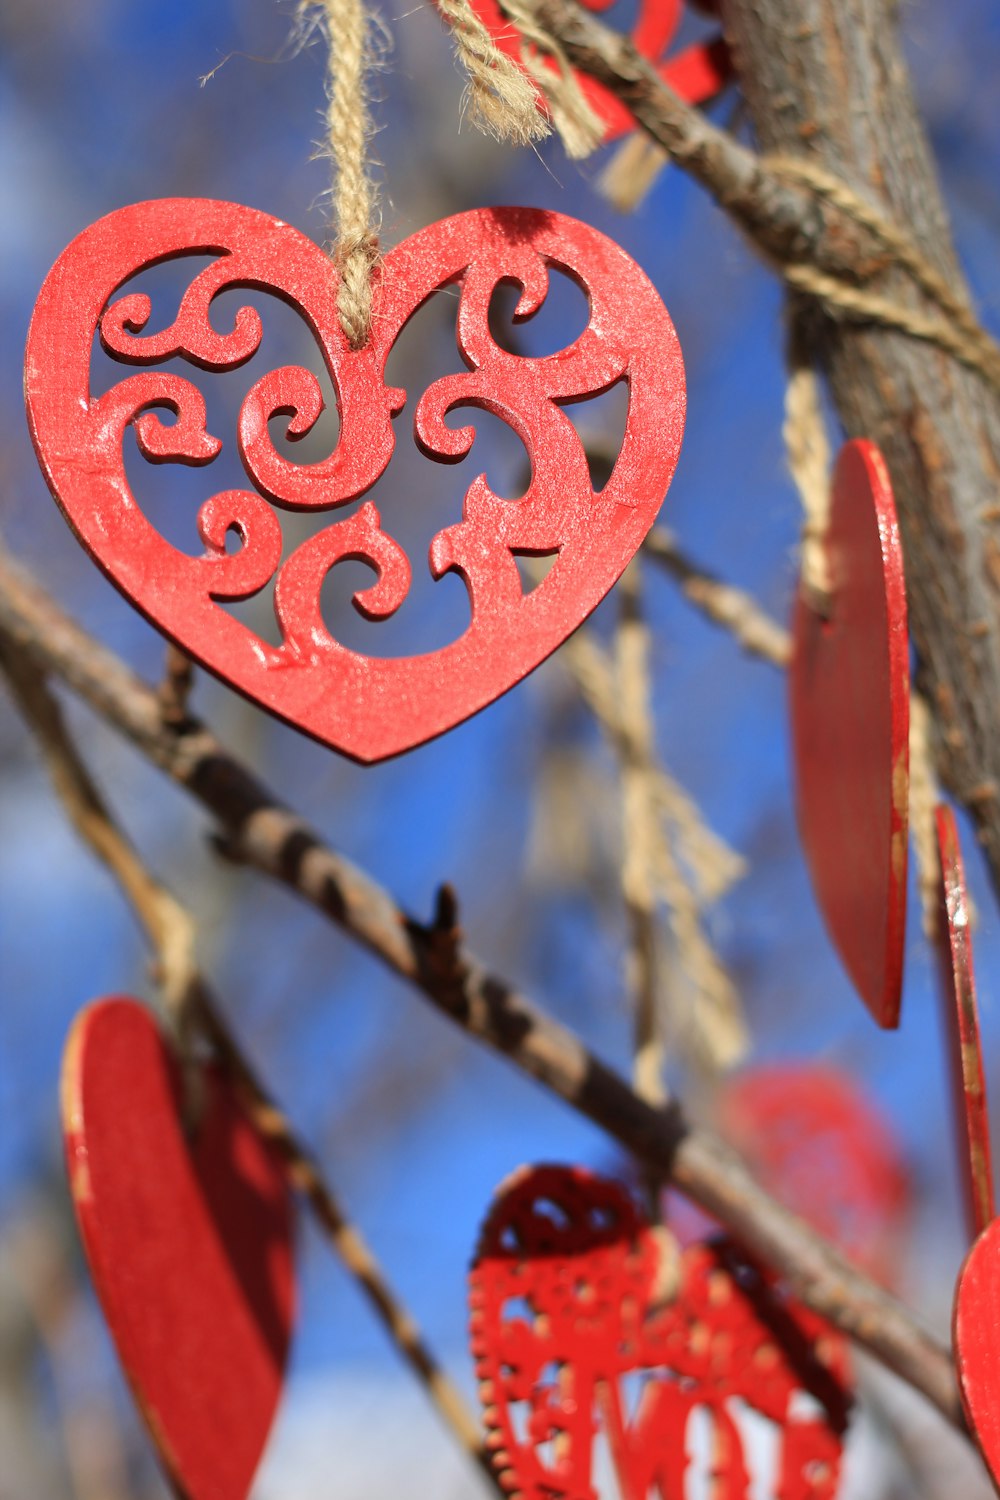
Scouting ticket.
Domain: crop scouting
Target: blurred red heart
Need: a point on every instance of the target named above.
(573, 1332)
(189, 1245)
(814, 1140)
(369, 706)
(849, 690)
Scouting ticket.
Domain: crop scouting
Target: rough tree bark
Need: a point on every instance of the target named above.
(826, 80)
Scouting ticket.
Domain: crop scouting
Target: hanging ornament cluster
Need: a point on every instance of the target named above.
(586, 1321)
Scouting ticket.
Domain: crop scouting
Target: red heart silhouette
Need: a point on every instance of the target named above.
(189, 1245)
(815, 1140)
(849, 689)
(368, 706)
(697, 72)
(564, 1318)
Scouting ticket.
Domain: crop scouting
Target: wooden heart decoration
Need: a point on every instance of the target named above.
(975, 1320)
(961, 1021)
(564, 1328)
(697, 73)
(368, 706)
(815, 1141)
(189, 1245)
(849, 687)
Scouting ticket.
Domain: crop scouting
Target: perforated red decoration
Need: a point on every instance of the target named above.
(697, 72)
(189, 1245)
(819, 1145)
(961, 1021)
(849, 691)
(564, 1327)
(368, 706)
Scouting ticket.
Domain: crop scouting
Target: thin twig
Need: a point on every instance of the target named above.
(170, 930)
(175, 689)
(724, 604)
(255, 827)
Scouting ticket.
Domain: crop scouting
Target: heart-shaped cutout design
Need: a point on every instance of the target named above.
(370, 707)
(697, 73)
(849, 687)
(189, 1245)
(975, 1321)
(571, 1337)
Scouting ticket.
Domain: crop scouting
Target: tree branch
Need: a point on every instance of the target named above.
(255, 827)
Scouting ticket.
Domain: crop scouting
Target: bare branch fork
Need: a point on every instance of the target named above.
(253, 826)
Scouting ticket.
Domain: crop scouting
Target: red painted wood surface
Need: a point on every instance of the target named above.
(816, 1142)
(567, 1341)
(975, 1322)
(697, 72)
(850, 713)
(368, 706)
(189, 1245)
(961, 1019)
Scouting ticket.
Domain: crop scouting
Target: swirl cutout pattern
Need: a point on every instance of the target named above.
(368, 706)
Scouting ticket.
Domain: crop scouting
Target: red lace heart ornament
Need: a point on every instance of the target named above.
(817, 1142)
(849, 693)
(367, 706)
(564, 1315)
(697, 73)
(189, 1245)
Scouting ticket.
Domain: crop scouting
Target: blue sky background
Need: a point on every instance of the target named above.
(100, 105)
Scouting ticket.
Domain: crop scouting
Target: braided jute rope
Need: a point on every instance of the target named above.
(503, 97)
(356, 253)
(500, 97)
(957, 331)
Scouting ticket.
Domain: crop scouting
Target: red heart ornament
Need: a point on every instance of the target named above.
(368, 706)
(697, 73)
(189, 1245)
(849, 687)
(975, 1321)
(815, 1141)
(565, 1323)
(961, 1020)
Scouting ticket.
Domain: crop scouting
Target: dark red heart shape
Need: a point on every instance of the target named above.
(849, 691)
(564, 1316)
(370, 707)
(189, 1245)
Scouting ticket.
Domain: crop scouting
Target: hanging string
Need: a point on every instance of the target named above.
(808, 450)
(925, 795)
(665, 828)
(500, 98)
(503, 97)
(346, 26)
(580, 129)
(632, 171)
